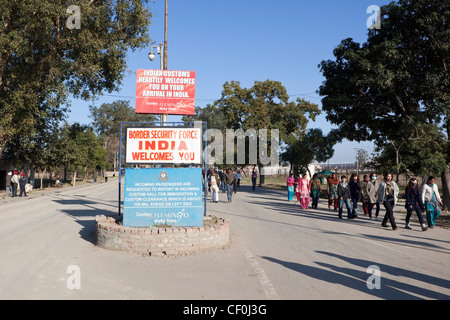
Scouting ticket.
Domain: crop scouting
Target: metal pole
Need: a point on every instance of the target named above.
(120, 166)
(165, 36)
(205, 164)
(164, 67)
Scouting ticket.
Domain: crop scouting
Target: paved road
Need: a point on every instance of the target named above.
(277, 251)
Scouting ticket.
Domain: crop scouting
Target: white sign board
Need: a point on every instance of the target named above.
(164, 145)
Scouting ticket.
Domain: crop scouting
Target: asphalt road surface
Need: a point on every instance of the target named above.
(277, 251)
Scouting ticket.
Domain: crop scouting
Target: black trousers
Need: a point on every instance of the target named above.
(14, 189)
(389, 206)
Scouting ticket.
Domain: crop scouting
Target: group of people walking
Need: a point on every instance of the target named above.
(15, 183)
(304, 190)
(226, 181)
(372, 193)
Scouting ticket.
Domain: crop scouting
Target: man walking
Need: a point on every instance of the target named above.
(14, 183)
(230, 183)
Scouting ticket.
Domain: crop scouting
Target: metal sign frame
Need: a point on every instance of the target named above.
(122, 163)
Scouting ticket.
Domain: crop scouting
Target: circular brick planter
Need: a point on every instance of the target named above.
(153, 241)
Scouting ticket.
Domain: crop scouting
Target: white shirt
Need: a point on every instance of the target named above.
(427, 192)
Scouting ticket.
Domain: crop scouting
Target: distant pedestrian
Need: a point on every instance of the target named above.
(290, 186)
(235, 185)
(355, 191)
(238, 177)
(333, 198)
(315, 188)
(414, 203)
(222, 180)
(304, 192)
(388, 195)
(22, 183)
(344, 197)
(254, 177)
(214, 181)
(432, 200)
(230, 182)
(15, 183)
(372, 188)
(365, 195)
(8, 183)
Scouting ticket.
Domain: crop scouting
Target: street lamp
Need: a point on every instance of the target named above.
(152, 56)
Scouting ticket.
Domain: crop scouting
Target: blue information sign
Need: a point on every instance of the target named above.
(156, 196)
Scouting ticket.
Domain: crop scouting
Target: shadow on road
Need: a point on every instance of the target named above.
(88, 210)
(356, 278)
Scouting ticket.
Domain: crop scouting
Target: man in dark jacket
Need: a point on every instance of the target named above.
(344, 197)
(230, 182)
(355, 189)
(22, 182)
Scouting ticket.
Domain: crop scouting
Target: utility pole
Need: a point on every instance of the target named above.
(165, 36)
(164, 116)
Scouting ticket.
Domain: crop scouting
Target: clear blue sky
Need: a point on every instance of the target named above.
(247, 41)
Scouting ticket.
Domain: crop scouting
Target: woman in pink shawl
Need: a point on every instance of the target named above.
(303, 191)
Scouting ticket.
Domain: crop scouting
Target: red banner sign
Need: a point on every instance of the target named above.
(165, 92)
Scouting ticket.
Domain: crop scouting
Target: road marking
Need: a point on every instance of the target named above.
(269, 290)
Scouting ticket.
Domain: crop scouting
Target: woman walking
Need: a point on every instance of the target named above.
(344, 197)
(372, 188)
(315, 188)
(333, 198)
(365, 195)
(214, 183)
(290, 186)
(432, 200)
(388, 195)
(355, 190)
(304, 192)
(413, 203)
(254, 177)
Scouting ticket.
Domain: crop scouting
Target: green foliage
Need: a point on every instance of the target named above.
(266, 105)
(210, 114)
(313, 146)
(394, 89)
(81, 149)
(42, 61)
(107, 117)
(106, 122)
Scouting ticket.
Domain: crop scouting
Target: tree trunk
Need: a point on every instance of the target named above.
(42, 178)
(74, 178)
(261, 175)
(445, 178)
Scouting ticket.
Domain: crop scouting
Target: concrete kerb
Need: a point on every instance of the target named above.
(161, 241)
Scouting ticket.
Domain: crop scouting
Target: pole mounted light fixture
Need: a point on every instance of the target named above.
(152, 55)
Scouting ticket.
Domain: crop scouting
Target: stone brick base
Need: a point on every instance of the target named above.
(172, 241)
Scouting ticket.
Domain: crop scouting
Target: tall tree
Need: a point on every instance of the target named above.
(313, 146)
(106, 121)
(265, 105)
(50, 50)
(398, 80)
(81, 150)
